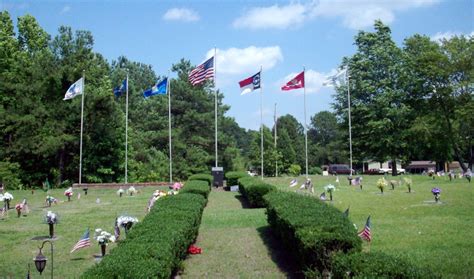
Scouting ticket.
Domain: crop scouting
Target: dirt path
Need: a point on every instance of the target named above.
(235, 242)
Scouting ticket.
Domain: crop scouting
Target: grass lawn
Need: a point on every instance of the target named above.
(17, 249)
(439, 236)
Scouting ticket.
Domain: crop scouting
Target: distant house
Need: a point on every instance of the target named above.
(424, 166)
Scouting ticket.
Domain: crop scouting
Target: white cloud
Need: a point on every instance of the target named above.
(65, 9)
(356, 14)
(181, 14)
(313, 81)
(438, 37)
(280, 17)
(248, 60)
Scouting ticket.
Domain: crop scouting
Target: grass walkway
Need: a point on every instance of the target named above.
(235, 242)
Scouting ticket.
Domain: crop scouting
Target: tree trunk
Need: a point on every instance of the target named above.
(62, 154)
(394, 167)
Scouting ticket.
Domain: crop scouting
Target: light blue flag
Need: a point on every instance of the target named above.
(75, 89)
(159, 89)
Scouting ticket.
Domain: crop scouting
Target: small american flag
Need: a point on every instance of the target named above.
(293, 183)
(202, 72)
(83, 242)
(365, 234)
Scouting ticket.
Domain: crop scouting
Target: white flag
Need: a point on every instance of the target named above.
(334, 79)
(75, 89)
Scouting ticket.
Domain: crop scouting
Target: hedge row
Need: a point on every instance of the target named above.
(310, 229)
(253, 189)
(199, 187)
(232, 177)
(376, 265)
(155, 247)
(202, 176)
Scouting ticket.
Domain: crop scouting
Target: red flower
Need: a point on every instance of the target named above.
(194, 250)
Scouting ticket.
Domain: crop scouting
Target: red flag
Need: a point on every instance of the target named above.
(295, 83)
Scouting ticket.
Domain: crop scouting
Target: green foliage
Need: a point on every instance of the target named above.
(9, 175)
(376, 265)
(198, 187)
(156, 246)
(294, 170)
(315, 170)
(232, 177)
(202, 176)
(310, 229)
(253, 189)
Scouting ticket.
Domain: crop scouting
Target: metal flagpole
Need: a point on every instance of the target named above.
(261, 122)
(169, 127)
(215, 99)
(276, 159)
(305, 126)
(349, 115)
(82, 123)
(126, 132)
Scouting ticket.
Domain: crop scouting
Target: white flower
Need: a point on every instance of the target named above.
(1, 197)
(103, 237)
(329, 188)
(122, 220)
(120, 191)
(7, 196)
(132, 190)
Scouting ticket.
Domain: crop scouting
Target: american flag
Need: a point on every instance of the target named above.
(293, 183)
(365, 234)
(83, 242)
(202, 72)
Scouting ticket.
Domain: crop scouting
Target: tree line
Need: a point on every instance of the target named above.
(408, 103)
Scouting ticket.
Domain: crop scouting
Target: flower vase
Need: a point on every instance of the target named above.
(127, 227)
(437, 197)
(330, 196)
(18, 211)
(360, 185)
(49, 203)
(51, 230)
(381, 190)
(68, 198)
(102, 249)
(121, 194)
(85, 191)
(409, 189)
(8, 204)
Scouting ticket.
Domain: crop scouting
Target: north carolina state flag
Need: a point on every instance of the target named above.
(295, 83)
(250, 84)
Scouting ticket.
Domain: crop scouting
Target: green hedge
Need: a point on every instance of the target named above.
(309, 229)
(155, 247)
(196, 187)
(202, 176)
(253, 189)
(232, 177)
(376, 265)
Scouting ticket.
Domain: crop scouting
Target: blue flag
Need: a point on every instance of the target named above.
(119, 90)
(159, 89)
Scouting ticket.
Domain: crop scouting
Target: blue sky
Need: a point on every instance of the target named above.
(282, 37)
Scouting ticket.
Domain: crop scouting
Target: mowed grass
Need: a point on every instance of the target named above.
(17, 249)
(235, 242)
(438, 236)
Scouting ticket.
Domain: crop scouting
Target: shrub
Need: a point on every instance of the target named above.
(315, 170)
(10, 175)
(202, 176)
(232, 177)
(155, 247)
(253, 189)
(294, 170)
(310, 229)
(196, 187)
(376, 265)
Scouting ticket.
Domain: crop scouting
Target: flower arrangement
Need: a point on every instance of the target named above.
(131, 191)
(381, 184)
(69, 193)
(330, 189)
(125, 221)
(103, 237)
(51, 218)
(437, 193)
(172, 192)
(409, 183)
(7, 197)
(177, 186)
(50, 199)
(120, 192)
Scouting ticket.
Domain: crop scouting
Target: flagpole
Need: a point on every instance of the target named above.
(126, 132)
(82, 123)
(276, 159)
(349, 115)
(305, 125)
(169, 127)
(215, 100)
(261, 124)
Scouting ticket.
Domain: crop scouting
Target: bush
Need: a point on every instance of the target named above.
(232, 177)
(10, 175)
(315, 170)
(253, 189)
(294, 170)
(376, 265)
(202, 176)
(310, 229)
(196, 187)
(155, 247)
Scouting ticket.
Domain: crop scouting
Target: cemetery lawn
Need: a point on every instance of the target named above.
(17, 249)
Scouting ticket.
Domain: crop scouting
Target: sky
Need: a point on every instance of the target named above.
(278, 36)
